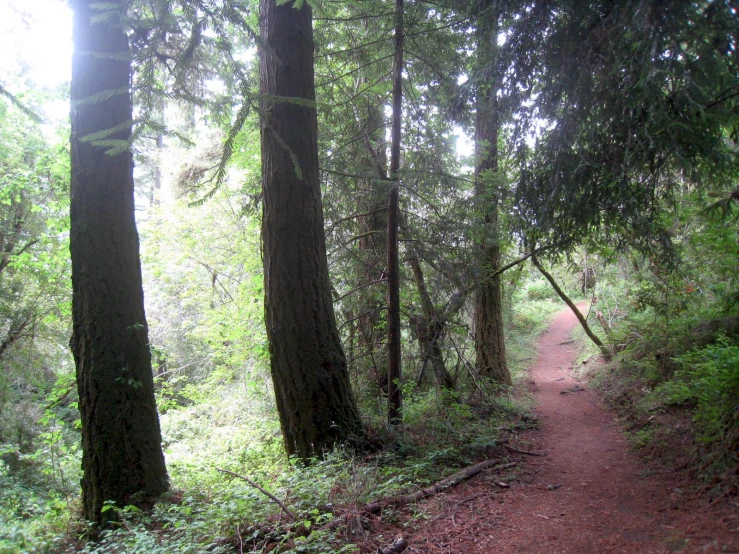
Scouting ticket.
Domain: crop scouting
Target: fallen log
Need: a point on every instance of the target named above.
(404, 499)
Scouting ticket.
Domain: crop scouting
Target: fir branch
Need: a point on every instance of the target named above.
(20, 105)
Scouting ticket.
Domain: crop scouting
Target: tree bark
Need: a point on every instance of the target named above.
(122, 458)
(394, 372)
(489, 334)
(372, 229)
(314, 397)
(430, 329)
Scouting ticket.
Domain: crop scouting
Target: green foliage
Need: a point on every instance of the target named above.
(205, 307)
(612, 179)
(31, 520)
(34, 265)
(708, 378)
(320, 542)
(665, 322)
(648, 114)
(170, 528)
(39, 466)
(540, 290)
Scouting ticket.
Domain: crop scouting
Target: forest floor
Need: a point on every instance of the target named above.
(587, 493)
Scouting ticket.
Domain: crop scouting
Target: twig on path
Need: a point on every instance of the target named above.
(468, 499)
(263, 491)
(519, 451)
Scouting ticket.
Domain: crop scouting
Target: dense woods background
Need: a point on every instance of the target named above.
(273, 167)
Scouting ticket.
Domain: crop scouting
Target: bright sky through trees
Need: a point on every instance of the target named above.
(36, 46)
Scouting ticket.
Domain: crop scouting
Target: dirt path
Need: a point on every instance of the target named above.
(588, 494)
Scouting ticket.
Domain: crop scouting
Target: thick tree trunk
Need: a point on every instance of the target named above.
(489, 335)
(314, 397)
(122, 458)
(395, 396)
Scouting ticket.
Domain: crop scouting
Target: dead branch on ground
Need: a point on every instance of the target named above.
(263, 491)
(405, 499)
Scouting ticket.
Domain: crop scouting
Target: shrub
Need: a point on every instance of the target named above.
(709, 378)
(540, 290)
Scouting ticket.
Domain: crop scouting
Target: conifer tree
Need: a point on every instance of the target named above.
(122, 457)
(489, 333)
(314, 398)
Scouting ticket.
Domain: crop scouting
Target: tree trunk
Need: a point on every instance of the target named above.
(395, 395)
(372, 229)
(430, 329)
(489, 335)
(122, 458)
(314, 397)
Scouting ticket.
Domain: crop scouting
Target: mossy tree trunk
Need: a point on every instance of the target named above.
(314, 397)
(122, 459)
(489, 335)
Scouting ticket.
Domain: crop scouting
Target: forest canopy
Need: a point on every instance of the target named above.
(308, 233)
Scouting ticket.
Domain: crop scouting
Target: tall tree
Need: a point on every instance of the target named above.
(356, 86)
(489, 334)
(395, 395)
(122, 458)
(314, 397)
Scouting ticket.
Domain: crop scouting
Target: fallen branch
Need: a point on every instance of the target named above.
(404, 499)
(263, 491)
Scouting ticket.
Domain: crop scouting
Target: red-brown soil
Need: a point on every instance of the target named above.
(588, 493)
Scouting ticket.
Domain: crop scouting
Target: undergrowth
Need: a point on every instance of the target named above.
(232, 426)
(674, 378)
(213, 512)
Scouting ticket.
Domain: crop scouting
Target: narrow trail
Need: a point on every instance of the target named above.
(587, 494)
